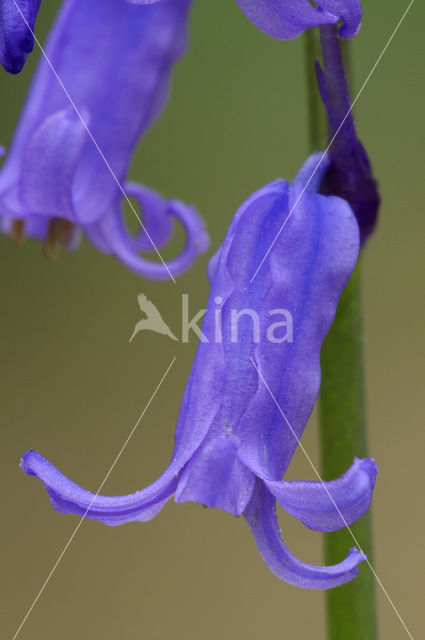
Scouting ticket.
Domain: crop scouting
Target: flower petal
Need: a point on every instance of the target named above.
(154, 215)
(16, 24)
(285, 20)
(349, 11)
(68, 497)
(329, 506)
(50, 163)
(125, 248)
(261, 517)
(305, 272)
(215, 477)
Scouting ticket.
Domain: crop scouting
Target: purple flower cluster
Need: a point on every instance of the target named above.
(102, 82)
(282, 19)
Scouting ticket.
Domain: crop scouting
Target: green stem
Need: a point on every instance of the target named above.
(350, 608)
(351, 611)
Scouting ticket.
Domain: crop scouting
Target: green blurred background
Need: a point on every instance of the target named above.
(73, 387)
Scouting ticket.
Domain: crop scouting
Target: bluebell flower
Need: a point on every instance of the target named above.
(67, 160)
(248, 399)
(17, 20)
(287, 19)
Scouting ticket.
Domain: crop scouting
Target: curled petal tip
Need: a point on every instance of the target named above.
(196, 232)
(126, 249)
(26, 462)
(356, 555)
(261, 517)
(369, 466)
(333, 505)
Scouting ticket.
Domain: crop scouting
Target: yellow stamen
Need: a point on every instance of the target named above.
(59, 235)
(17, 231)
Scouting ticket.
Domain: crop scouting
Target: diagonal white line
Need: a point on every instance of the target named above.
(334, 137)
(45, 583)
(85, 125)
(332, 500)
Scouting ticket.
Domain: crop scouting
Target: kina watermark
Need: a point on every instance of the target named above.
(226, 324)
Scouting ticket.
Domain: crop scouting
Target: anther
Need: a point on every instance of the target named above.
(59, 234)
(17, 231)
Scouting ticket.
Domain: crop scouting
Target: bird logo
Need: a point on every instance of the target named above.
(153, 320)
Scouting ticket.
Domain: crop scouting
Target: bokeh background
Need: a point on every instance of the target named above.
(73, 387)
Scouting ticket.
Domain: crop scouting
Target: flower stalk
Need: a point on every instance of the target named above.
(351, 609)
